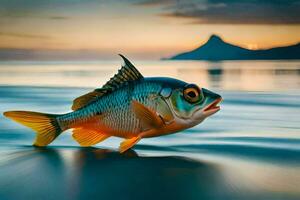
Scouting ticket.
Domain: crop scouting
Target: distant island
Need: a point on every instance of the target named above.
(216, 49)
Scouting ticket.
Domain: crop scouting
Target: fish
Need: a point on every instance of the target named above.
(128, 106)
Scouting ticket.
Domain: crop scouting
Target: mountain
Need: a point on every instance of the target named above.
(216, 49)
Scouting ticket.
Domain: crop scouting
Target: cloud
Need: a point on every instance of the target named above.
(153, 2)
(17, 15)
(230, 11)
(58, 17)
(24, 35)
(37, 9)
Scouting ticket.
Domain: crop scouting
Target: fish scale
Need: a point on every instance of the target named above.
(117, 110)
(128, 106)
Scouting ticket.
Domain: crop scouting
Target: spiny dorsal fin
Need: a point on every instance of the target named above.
(127, 73)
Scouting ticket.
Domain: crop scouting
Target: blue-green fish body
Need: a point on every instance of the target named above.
(127, 106)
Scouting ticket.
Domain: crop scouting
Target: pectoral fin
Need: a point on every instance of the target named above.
(148, 117)
(86, 137)
(128, 143)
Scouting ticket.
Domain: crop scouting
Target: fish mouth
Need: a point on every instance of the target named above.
(213, 107)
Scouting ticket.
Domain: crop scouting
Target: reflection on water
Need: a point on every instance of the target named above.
(89, 172)
(227, 75)
(85, 173)
(248, 150)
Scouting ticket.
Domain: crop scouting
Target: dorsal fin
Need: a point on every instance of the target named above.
(85, 99)
(127, 73)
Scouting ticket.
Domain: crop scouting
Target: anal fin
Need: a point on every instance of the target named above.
(128, 143)
(86, 137)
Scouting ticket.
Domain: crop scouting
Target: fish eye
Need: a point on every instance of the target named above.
(192, 93)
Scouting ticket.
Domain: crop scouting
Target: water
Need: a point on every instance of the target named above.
(250, 149)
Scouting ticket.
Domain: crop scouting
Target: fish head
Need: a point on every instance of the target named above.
(191, 104)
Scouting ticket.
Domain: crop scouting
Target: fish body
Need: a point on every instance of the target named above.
(128, 106)
(114, 110)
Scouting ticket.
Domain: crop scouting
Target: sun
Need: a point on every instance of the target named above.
(252, 46)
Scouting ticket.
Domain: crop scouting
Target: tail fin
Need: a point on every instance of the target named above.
(45, 125)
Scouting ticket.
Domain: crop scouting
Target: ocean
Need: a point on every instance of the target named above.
(250, 149)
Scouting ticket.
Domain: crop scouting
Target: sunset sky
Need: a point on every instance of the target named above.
(145, 28)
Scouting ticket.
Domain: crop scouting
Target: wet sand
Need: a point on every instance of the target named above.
(59, 172)
(92, 173)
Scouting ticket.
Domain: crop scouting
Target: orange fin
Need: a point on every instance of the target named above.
(128, 143)
(45, 125)
(148, 117)
(86, 137)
